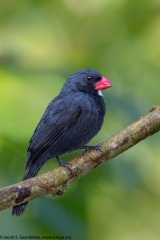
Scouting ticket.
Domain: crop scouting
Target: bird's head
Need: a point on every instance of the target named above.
(88, 80)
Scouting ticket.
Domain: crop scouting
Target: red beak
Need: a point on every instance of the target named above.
(104, 83)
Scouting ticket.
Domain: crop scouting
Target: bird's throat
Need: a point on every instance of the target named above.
(100, 93)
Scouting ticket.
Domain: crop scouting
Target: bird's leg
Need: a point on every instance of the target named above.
(91, 147)
(64, 164)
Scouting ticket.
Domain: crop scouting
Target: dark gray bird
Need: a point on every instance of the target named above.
(70, 121)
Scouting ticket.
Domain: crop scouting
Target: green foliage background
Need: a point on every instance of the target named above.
(41, 44)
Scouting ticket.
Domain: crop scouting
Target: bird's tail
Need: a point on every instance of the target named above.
(19, 209)
(30, 172)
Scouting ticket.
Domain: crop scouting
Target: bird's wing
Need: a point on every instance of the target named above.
(50, 130)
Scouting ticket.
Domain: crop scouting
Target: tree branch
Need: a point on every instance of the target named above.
(55, 182)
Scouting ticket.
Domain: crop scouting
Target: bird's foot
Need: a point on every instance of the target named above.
(64, 164)
(97, 148)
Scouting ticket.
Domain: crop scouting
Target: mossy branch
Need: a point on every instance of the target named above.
(55, 182)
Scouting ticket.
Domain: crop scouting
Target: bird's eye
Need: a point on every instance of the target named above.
(89, 79)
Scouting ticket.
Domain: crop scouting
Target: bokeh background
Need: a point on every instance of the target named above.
(41, 44)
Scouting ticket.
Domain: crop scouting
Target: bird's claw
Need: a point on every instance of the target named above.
(65, 164)
(97, 148)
